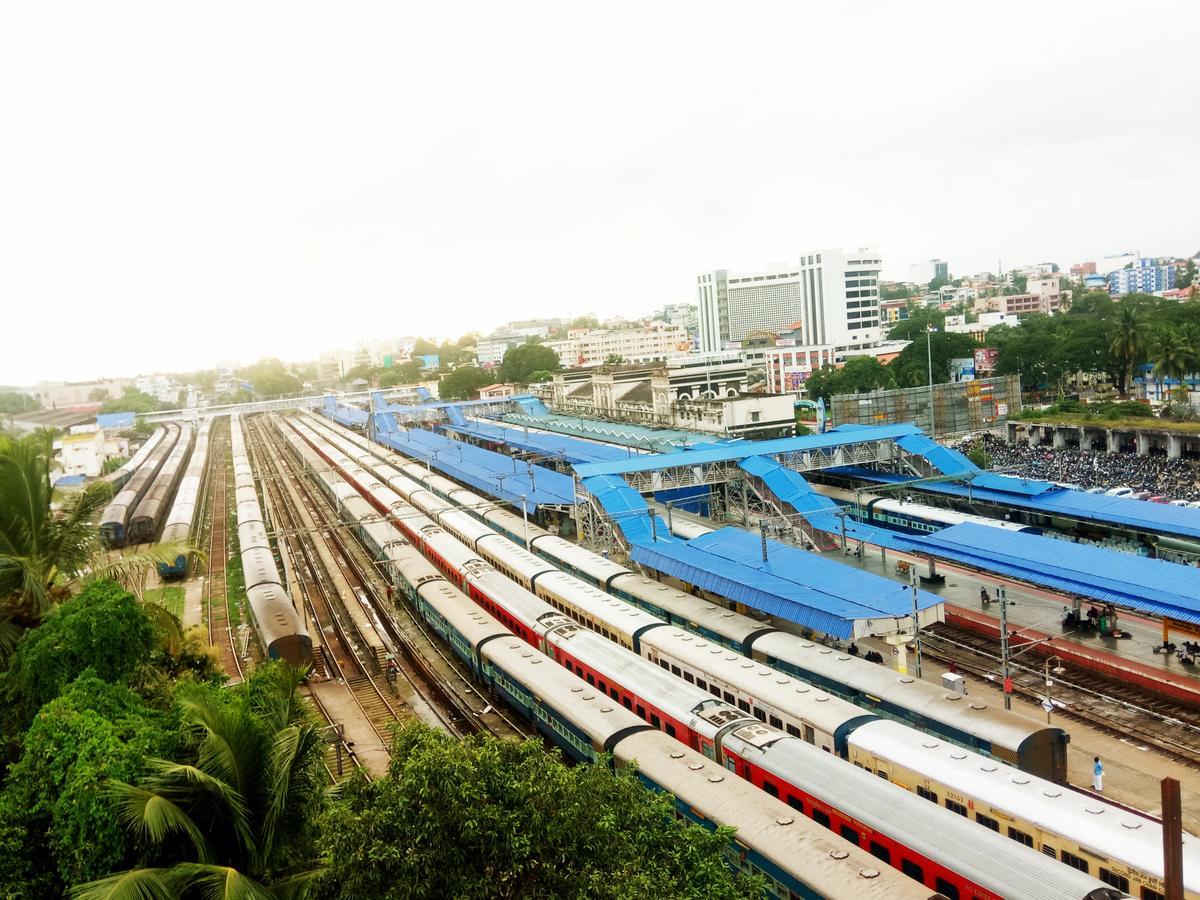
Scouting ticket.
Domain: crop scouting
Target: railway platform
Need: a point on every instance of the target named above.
(1037, 615)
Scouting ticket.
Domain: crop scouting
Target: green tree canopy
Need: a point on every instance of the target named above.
(270, 378)
(911, 367)
(13, 402)
(489, 818)
(464, 383)
(919, 317)
(520, 362)
(57, 827)
(133, 401)
(233, 816)
(104, 630)
(858, 375)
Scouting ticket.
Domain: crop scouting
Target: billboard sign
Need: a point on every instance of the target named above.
(962, 369)
(985, 360)
(794, 378)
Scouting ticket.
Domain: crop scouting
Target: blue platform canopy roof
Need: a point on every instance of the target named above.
(573, 450)
(1050, 499)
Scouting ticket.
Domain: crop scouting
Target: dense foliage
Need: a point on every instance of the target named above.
(858, 375)
(270, 378)
(490, 818)
(521, 362)
(464, 383)
(133, 401)
(13, 402)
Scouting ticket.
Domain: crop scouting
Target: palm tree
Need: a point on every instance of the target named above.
(1174, 357)
(245, 804)
(1127, 341)
(46, 552)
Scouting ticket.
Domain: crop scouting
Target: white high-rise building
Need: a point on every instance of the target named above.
(832, 294)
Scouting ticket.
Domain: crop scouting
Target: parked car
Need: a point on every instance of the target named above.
(1122, 491)
(1141, 495)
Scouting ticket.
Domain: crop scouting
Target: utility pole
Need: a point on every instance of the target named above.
(929, 354)
(525, 518)
(653, 526)
(1172, 822)
(916, 621)
(1000, 595)
(762, 530)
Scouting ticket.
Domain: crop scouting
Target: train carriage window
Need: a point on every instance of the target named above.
(760, 715)
(793, 730)
(776, 722)
(687, 676)
(809, 734)
(603, 687)
(795, 803)
(881, 852)
(771, 789)
(850, 834)
(1075, 862)
(670, 730)
(675, 670)
(956, 808)
(729, 697)
(591, 680)
(987, 821)
(882, 774)
(743, 706)
(628, 703)
(641, 711)
(912, 870)
(946, 889)
(614, 693)
(655, 721)
(1020, 837)
(927, 794)
(666, 665)
(1151, 894)
(1112, 879)
(1049, 851)
(822, 819)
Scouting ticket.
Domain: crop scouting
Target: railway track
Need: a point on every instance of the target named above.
(216, 596)
(1126, 711)
(340, 760)
(438, 676)
(345, 656)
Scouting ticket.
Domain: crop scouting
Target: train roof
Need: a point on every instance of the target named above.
(991, 860)
(1099, 826)
(971, 715)
(654, 685)
(595, 566)
(696, 610)
(767, 686)
(831, 866)
(625, 617)
(457, 608)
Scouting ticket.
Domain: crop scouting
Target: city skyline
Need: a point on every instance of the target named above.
(201, 211)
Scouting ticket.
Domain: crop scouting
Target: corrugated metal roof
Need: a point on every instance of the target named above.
(573, 450)
(736, 452)
(490, 472)
(1155, 518)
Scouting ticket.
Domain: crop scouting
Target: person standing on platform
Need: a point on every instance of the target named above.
(1098, 776)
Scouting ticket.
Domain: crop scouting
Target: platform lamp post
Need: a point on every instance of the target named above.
(525, 518)
(1048, 705)
(915, 579)
(1005, 603)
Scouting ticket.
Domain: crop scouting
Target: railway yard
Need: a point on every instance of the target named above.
(422, 585)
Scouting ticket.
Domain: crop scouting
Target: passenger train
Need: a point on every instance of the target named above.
(182, 519)
(114, 521)
(1033, 747)
(644, 708)
(812, 715)
(148, 517)
(908, 516)
(281, 628)
(117, 479)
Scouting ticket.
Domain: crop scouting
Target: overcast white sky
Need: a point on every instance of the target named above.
(182, 183)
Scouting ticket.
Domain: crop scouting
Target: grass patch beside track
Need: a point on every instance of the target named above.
(171, 597)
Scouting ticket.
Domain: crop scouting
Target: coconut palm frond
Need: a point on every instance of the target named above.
(136, 884)
(153, 816)
(217, 882)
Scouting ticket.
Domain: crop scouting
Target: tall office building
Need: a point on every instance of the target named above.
(832, 294)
